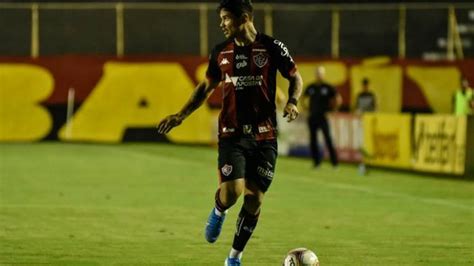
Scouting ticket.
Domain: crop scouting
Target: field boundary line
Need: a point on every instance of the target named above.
(434, 201)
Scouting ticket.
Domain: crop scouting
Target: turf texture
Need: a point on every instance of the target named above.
(147, 204)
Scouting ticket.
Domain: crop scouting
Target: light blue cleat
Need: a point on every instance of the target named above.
(214, 226)
(232, 262)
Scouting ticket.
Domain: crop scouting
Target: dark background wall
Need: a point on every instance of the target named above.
(364, 30)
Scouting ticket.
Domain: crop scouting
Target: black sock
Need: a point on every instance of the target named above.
(219, 206)
(245, 226)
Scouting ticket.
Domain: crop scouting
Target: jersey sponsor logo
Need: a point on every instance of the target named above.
(241, 57)
(241, 64)
(260, 60)
(259, 50)
(240, 82)
(224, 61)
(226, 169)
(284, 49)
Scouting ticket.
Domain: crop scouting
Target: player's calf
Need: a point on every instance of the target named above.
(215, 220)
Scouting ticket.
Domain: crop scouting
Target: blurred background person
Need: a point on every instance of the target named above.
(322, 98)
(366, 100)
(463, 100)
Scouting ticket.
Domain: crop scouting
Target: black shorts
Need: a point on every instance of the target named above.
(245, 157)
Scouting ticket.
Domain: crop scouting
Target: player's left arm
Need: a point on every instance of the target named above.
(294, 93)
(288, 70)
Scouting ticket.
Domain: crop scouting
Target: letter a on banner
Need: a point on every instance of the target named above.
(138, 95)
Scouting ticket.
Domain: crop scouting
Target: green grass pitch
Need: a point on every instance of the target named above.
(146, 204)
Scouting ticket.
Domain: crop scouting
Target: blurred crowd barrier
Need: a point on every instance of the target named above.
(435, 143)
(122, 99)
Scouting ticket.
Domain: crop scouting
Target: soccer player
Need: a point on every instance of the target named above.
(245, 65)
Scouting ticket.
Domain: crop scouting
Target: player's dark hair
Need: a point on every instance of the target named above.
(365, 81)
(236, 7)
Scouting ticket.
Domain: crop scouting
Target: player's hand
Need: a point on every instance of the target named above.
(290, 112)
(169, 123)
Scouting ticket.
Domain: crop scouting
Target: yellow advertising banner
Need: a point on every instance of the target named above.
(387, 140)
(440, 143)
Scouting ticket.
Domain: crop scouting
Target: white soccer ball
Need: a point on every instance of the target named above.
(301, 257)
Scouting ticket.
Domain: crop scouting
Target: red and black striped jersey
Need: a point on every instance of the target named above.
(248, 80)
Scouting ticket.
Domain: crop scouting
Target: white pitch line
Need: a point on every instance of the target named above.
(400, 195)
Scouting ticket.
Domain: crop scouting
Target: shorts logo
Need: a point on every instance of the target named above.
(226, 169)
(260, 60)
(265, 172)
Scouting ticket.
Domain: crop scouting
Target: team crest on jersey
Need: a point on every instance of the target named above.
(260, 60)
(226, 169)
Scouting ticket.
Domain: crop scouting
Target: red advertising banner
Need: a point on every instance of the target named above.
(135, 92)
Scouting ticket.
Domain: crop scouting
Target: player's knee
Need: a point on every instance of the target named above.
(230, 196)
(252, 203)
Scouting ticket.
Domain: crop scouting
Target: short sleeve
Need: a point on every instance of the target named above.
(213, 71)
(283, 59)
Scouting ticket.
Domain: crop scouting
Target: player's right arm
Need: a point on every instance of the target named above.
(200, 94)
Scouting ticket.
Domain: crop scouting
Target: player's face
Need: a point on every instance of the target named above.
(230, 24)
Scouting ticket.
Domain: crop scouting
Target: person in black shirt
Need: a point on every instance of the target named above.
(366, 101)
(245, 66)
(322, 99)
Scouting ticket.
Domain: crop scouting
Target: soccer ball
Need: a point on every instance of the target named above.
(301, 257)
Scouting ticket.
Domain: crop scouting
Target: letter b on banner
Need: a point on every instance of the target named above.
(22, 88)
